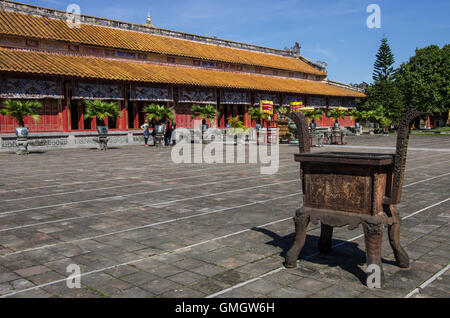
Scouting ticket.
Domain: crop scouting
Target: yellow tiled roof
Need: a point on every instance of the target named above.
(35, 62)
(25, 25)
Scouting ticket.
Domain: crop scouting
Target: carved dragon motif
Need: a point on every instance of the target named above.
(302, 131)
(401, 153)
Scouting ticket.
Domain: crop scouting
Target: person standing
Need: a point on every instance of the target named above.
(145, 127)
(153, 134)
(174, 137)
(168, 133)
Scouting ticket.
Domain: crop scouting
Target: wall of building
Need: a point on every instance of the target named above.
(64, 111)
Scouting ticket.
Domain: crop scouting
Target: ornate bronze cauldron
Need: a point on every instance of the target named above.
(350, 189)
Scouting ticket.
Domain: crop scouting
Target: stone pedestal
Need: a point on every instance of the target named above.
(22, 144)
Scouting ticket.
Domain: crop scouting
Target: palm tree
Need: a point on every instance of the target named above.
(315, 114)
(238, 127)
(204, 112)
(282, 112)
(101, 110)
(158, 113)
(236, 123)
(336, 114)
(19, 110)
(256, 114)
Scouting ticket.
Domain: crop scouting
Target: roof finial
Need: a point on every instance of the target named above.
(149, 20)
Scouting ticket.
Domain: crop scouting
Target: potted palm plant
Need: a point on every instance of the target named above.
(258, 116)
(101, 110)
(282, 112)
(336, 114)
(384, 117)
(237, 127)
(283, 124)
(158, 114)
(313, 115)
(19, 110)
(207, 112)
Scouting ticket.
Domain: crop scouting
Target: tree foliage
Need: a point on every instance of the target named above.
(386, 94)
(236, 123)
(256, 114)
(336, 114)
(425, 79)
(101, 109)
(383, 67)
(20, 109)
(158, 113)
(315, 114)
(204, 112)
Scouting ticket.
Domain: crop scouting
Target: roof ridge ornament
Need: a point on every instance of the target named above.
(149, 20)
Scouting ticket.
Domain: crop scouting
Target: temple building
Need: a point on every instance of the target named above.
(44, 57)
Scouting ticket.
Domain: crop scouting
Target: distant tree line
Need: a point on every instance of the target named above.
(422, 83)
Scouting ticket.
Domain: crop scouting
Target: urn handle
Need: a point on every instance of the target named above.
(302, 131)
(401, 153)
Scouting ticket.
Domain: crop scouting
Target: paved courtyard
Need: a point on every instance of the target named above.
(139, 225)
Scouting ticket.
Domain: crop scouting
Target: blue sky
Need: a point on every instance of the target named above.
(333, 31)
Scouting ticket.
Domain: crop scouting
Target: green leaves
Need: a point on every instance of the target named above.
(101, 109)
(256, 114)
(336, 114)
(204, 112)
(237, 125)
(315, 114)
(425, 79)
(158, 113)
(383, 69)
(283, 110)
(19, 109)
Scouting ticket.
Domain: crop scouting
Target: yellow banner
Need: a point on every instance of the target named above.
(296, 106)
(267, 107)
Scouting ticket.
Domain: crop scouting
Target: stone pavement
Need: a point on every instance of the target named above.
(139, 225)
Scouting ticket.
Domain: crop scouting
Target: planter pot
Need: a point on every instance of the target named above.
(204, 128)
(22, 132)
(102, 137)
(102, 130)
(159, 129)
(159, 134)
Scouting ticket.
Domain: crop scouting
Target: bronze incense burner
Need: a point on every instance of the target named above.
(350, 189)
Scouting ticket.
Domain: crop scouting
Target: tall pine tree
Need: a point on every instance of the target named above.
(383, 67)
(384, 94)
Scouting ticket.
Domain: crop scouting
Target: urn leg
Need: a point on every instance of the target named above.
(400, 254)
(326, 238)
(373, 234)
(301, 221)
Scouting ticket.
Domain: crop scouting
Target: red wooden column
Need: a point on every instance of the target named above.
(80, 115)
(65, 117)
(124, 118)
(94, 123)
(222, 117)
(136, 115)
(217, 120)
(247, 119)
